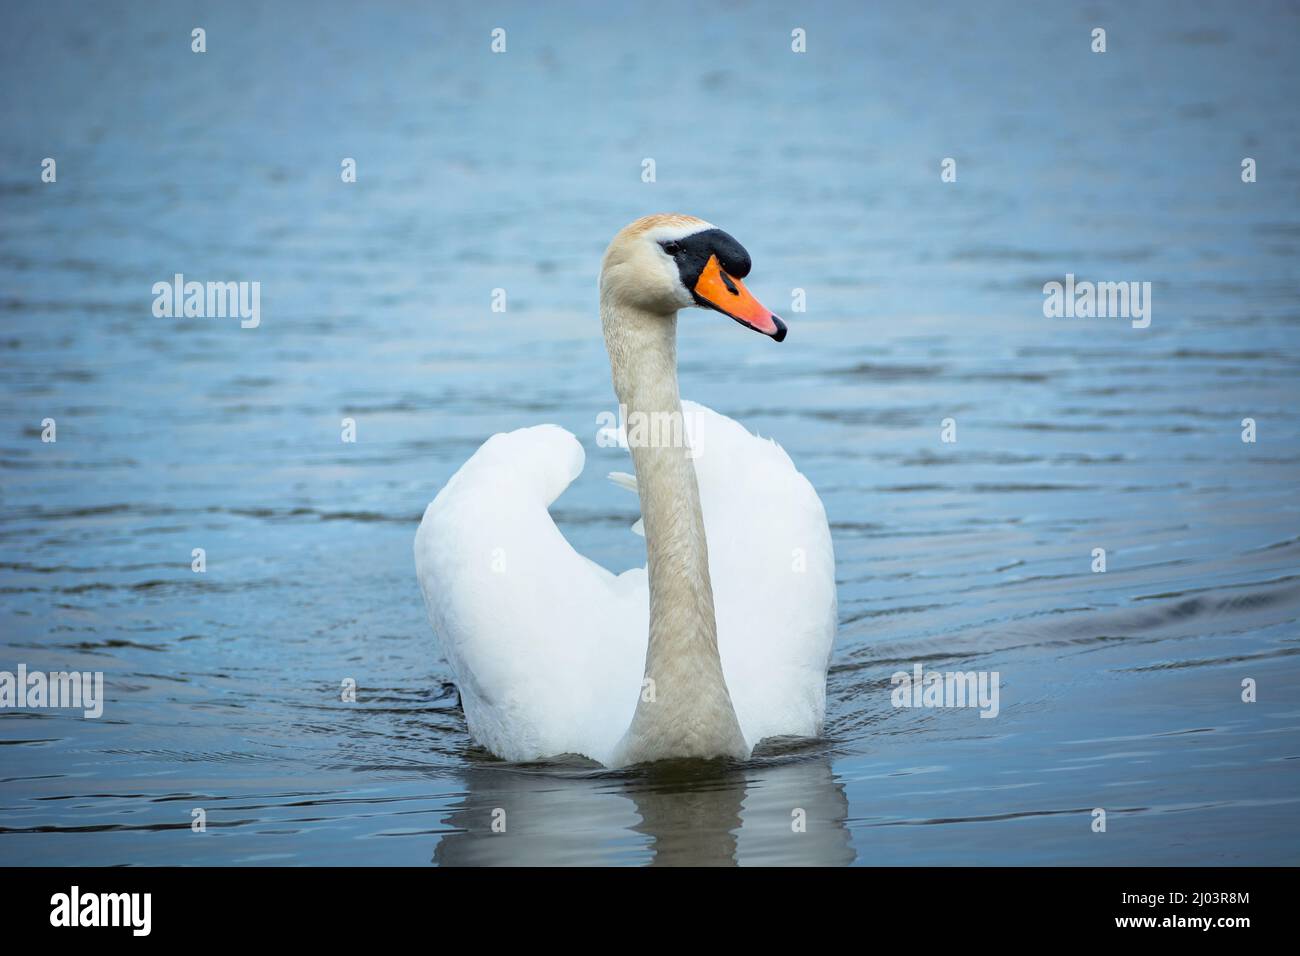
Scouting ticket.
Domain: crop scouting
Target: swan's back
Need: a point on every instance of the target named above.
(548, 648)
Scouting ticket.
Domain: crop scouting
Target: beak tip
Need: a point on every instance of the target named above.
(779, 334)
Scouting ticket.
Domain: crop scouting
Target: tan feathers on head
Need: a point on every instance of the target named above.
(637, 272)
(672, 219)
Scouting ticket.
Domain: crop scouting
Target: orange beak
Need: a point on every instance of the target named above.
(728, 295)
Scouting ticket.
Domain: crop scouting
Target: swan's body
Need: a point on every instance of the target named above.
(723, 640)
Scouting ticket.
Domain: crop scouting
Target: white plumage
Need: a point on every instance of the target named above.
(548, 648)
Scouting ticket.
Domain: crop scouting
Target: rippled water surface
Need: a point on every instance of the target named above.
(1119, 690)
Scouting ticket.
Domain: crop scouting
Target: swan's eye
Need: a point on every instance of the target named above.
(672, 247)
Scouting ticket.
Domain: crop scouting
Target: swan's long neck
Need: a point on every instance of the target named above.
(684, 709)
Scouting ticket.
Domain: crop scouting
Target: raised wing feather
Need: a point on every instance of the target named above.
(543, 643)
(773, 571)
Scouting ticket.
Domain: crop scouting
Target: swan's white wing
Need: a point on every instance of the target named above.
(773, 571)
(547, 647)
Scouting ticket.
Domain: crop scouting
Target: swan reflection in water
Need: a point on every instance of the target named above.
(788, 811)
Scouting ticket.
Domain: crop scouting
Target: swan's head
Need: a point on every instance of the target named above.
(663, 263)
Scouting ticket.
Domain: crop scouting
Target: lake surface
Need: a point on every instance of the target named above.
(1119, 690)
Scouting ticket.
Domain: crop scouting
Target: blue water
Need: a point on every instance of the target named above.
(1119, 690)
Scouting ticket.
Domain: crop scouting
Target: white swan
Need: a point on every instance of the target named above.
(720, 644)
